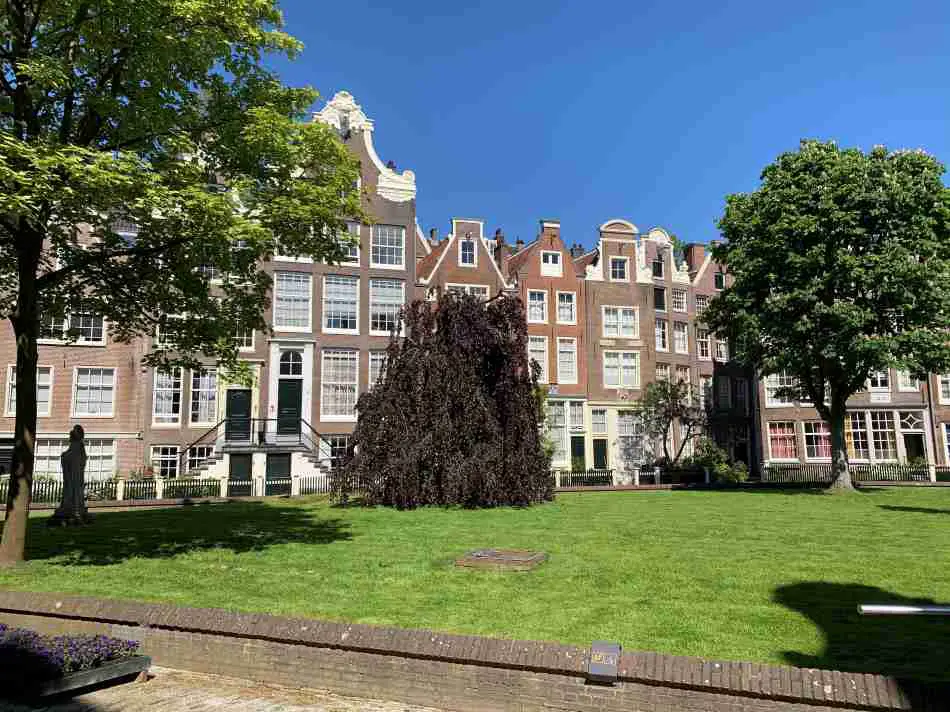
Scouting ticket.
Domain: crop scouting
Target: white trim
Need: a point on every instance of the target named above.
(940, 398)
(248, 349)
(217, 389)
(299, 329)
(323, 312)
(621, 385)
(768, 440)
(560, 379)
(685, 293)
(75, 384)
(614, 221)
(77, 342)
(626, 269)
(946, 441)
(804, 456)
(902, 389)
(685, 326)
(422, 238)
(528, 307)
(339, 418)
(547, 269)
(619, 334)
(377, 265)
(369, 315)
(702, 268)
(465, 287)
(181, 399)
(359, 245)
(277, 347)
(546, 366)
(666, 331)
(7, 412)
(460, 242)
(709, 344)
(557, 316)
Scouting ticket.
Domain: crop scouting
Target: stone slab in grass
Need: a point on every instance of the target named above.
(502, 559)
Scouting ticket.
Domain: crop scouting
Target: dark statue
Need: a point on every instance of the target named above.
(72, 510)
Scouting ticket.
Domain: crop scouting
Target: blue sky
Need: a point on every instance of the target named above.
(651, 111)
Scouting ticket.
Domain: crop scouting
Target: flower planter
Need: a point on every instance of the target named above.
(112, 672)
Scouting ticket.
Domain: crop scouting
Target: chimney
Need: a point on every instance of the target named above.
(576, 250)
(500, 249)
(433, 237)
(551, 227)
(519, 245)
(694, 254)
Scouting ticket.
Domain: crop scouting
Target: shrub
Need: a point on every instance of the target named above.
(730, 474)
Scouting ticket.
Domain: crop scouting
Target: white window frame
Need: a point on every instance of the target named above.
(620, 353)
(620, 320)
(722, 358)
(805, 455)
(181, 398)
(661, 371)
(545, 376)
(9, 399)
(626, 268)
(666, 304)
(76, 342)
(544, 304)
(768, 437)
(879, 393)
(309, 325)
(323, 306)
(561, 378)
(156, 469)
(75, 388)
(594, 429)
(402, 302)
(685, 333)
(716, 278)
(379, 354)
(330, 417)
(192, 393)
(700, 342)
(945, 429)
(772, 383)
(573, 308)
(685, 304)
(907, 384)
(474, 262)
(943, 379)
(665, 333)
(482, 291)
(554, 268)
(380, 265)
(701, 309)
(658, 260)
(245, 349)
(349, 231)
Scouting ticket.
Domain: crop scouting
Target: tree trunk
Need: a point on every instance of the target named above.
(840, 473)
(25, 320)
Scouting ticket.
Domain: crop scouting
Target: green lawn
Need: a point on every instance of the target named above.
(766, 576)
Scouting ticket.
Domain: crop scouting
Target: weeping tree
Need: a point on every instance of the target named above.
(666, 403)
(149, 164)
(840, 265)
(454, 418)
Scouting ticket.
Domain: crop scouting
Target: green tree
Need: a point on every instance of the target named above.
(840, 265)
(158, 113)
(663, 405)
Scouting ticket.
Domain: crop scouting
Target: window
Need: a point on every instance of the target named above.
(622, 322)
(199, 455)
(352, 249)
(166, 401)
(83, 326)
(93, 392)
(630, 439)
(377, 362)
(538, 352)
(722, 350)
(742, 395)
(906, 383)
(782, 441)
(680, 337)
(387, 246)
(292, 301)
(661, 335)
(537, 306)
(911, 421)
(340, 299)
(473, 290)
(688, 439)
(557, 430)
(817, 440)
(165, 460)
(679, 300)
(291, 363)
(856, 437)
(945, 388)
(575, 410)
(100, 458)
(719, 280)
(339, 383)
(775, 381)
(658, 267)
(44, 390)
(724, 391)
(204, 396)
(618, 269)
(880, 381)
(662, 371)
(621, 369)
(705, 389)
(682, 374)
(467, 254)
(338, 447)
(551, 264)
(244, 339)
(659, 298)
(567, 361)
(702, 301)
(565, 308)
(883, 435)
(386, 297)
(209, 271)
(702, 343)
(598, 421)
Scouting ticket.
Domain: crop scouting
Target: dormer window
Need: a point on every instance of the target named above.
(719, 280)
(467, 253)
(551, 264)
(658, 267)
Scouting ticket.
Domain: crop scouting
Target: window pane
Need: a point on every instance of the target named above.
(377, 362)
(93, 391)
(204, 396)
(538, 352)
(661, 335)
(537, 306)
(679, 300)
(883, 435)
(385, 301)
(782, 443)
(166, 404)
(817, 440)
(292, 300)
(565, 307)
(165, 460)
(566, 361)
(340, 294)
(339, 382)
(387, 245)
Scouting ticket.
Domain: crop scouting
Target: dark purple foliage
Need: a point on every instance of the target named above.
(454, 419)
(28, 657)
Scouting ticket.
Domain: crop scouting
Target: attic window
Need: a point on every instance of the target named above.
(467, 252)
(551, 264)
(719, 280)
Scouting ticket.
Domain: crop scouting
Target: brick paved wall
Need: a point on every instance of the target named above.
(451, 671)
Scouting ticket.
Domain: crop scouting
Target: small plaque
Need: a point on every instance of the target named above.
(604, 662)
(502, 559)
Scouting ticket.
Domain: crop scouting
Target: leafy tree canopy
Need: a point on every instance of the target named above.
(454, 417)
(666, 403)
(840, 263)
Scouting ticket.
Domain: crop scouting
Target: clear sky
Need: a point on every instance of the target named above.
(651, 111)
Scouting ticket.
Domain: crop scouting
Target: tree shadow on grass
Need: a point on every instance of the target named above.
(242, 527)
(919, 510)
(912, 649)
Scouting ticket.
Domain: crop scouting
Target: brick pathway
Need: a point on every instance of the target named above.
(191, 692)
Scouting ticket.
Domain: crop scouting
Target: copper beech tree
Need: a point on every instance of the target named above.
(453, 418)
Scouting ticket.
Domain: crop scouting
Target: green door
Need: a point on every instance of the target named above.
(578, 454)
(238, 413)
(289, 405)
(600, 454)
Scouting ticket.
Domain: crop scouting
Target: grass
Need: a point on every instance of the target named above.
(763, 576)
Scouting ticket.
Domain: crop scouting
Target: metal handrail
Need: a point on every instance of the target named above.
(183, 455)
